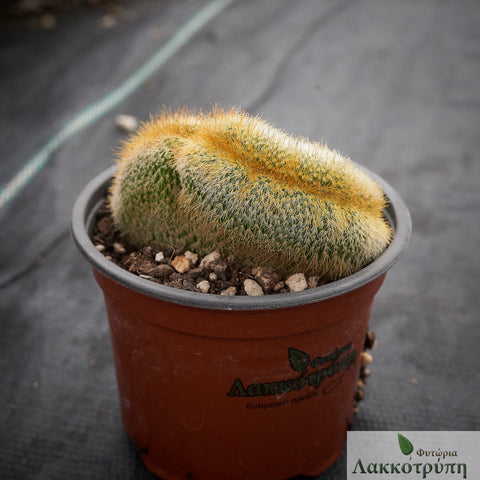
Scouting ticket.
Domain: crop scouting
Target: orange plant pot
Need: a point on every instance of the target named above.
(216, 388)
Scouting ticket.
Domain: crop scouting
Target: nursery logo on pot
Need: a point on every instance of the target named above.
(336, 361)
(416, 455)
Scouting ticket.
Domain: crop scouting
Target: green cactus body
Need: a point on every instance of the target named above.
(143, 195)
(246, 188)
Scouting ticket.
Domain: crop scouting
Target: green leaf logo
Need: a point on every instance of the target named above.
(299, 360)
(405, 444)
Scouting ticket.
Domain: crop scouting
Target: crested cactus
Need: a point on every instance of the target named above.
(226, 181)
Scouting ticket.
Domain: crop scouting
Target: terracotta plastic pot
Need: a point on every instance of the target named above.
(214, 387)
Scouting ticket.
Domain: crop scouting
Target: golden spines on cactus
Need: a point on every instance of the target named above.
(293, 161)
(280, 199)
(248, 188)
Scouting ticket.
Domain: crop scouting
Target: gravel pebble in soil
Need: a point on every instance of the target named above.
(296, 282)
(252, 288)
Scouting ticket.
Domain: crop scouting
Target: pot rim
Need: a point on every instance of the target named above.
(94, 193)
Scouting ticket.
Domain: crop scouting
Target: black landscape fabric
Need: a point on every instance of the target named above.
(394, 85)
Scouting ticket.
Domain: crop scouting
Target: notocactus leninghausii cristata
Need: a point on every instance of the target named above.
(228, 182)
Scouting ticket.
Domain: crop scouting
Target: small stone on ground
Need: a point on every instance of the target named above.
(127, 123)
(181, 264)
(203, 286)
(252, 288)
(193, 257)
(119, 248)
(210, 260)
(365, 359)
(230, 291)
(296, 282)
(266, 277)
